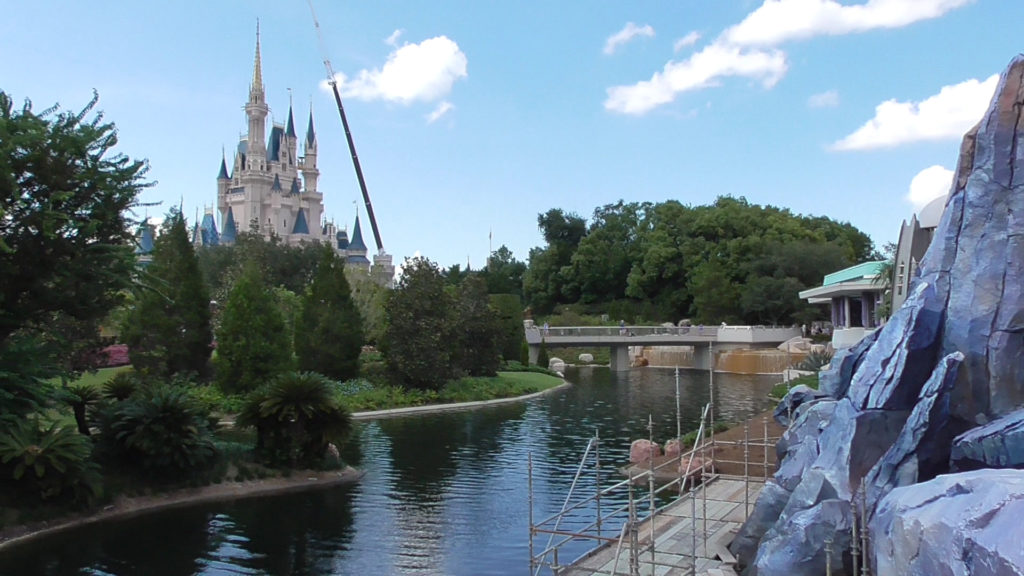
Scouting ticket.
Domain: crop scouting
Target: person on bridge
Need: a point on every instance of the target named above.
(622, 327)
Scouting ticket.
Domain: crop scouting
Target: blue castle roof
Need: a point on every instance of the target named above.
(295, 187)
(230, 230)
(276, 186)
(357, 244)
(291, 124)
(342, 238)
(301, 227)
(274, 148)
(223, 169)
(208, 231)
(147, 237)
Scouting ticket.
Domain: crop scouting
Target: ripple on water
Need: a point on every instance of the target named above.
(442, 494)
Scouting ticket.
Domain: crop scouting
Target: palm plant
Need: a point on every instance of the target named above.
(162, 429)
(49, 462)
(296, 416)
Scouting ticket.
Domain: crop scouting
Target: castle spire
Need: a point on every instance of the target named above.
(310, 133)
(257, 70)
(290, 130)
(223, 167)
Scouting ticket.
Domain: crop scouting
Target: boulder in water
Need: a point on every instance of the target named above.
(643, 450)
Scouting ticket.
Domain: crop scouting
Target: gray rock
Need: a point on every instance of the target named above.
(799, 549)
(956, 524)
(901, 360)
(976, 252)
(921, 451)
(835, 381)
(766, 512)
(798, 448)
(797, 396)
(998, 444)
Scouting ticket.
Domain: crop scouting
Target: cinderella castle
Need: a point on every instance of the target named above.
(272, 190)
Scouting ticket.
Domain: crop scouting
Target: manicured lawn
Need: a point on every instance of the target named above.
(97, 378)
(779, 391)
(504, 385)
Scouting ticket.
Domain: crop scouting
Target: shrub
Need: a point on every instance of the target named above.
(81, 397)
(296, 416)
(543, 360)
(161, 429)
(814, 361)
(121, 386)
(48, 464)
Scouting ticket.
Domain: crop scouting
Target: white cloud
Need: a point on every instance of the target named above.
(929, 184)
(745, 49)
(628, 32)
(827, 99)
(424, 71)
(702, 69)
(948, 114)
(442, 108)
(688, 40)
(778, 21)
(393, 39)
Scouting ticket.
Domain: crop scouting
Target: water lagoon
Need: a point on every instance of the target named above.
(443, 493)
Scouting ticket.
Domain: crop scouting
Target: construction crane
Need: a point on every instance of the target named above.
(348, 133)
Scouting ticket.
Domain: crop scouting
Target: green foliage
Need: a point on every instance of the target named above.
(295, 417)
(362, 396)
(385, 397)
(121, 386)
(213, 399)
(369, 298)
(524, 352)
(544, 283)
(419, 338)
(509, 311)
(543, 360)
(478, 331)
(65, 239)
(779, 390)
(168, 330)
(161, 429)
(289, 304)
(330, 335)
(732, 261)
(24, 375)
(503, 273)
(81, 397)
(48, 463)
(690, 438)
(814, 361)
(252, 346)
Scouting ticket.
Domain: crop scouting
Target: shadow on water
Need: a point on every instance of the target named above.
(443, 493)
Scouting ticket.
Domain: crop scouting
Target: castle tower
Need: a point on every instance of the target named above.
(256, 111)
(309, 171)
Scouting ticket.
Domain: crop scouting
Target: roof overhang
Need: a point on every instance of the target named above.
(823, 294)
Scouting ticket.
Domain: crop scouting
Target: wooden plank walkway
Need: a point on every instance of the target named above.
(672, 555)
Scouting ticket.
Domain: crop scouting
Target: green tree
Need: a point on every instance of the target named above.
(544, 283)
(252, 346)
(168, 332)
(478, 352)
(419, 337)
(543, 359)
(599, 268)
(369, 298)
(329, 335)
(504, 274)
(509, 310)
(295, 416)
(65, 237)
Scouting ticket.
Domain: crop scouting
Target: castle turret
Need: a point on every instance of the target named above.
(256, 111)
(292, 140)
(309, 171)
(223, 184)
(356, 249)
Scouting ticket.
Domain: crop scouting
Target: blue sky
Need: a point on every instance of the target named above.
(472, 117)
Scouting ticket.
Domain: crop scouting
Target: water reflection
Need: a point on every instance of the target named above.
(442, 494)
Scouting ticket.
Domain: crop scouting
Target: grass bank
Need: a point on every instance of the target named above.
(364, 396)
(779, 391)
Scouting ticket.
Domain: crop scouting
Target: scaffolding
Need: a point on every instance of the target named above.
(686, 535)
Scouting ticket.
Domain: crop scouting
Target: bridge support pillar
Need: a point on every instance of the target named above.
(620, 358)
(535, 353)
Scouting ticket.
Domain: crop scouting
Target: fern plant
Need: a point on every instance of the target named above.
(49, 462)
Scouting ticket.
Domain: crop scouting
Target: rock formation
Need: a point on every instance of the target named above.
(950, 359)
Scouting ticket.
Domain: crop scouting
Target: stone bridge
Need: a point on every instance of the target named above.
(619, 339)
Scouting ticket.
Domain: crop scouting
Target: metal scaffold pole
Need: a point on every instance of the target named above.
(529, 499)
(597, 476)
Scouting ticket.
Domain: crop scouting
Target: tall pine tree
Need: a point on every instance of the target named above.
(252, 343)
(329, 332)
(168, 331)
